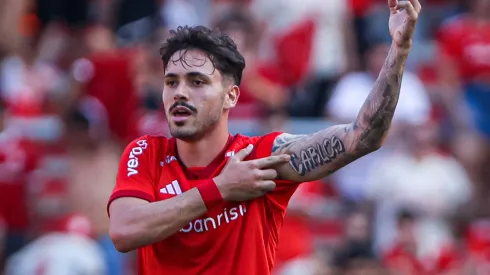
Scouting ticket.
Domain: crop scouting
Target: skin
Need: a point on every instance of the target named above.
(320, 154)
(192, 81)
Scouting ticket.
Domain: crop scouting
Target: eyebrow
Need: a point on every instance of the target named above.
(189, 74)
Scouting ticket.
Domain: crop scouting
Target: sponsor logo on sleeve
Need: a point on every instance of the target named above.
(133, 161)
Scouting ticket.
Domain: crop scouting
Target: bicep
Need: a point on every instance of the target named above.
(317, 155)
(122, 205)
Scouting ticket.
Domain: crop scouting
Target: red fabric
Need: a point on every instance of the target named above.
(296, 239)
(449, 259)
(112, 84)
(15, 165)
(360, 7)
(232, 238)
(210, 193)
(293, 51)
(478, 239)
(399, 259)
(248, 106)
(467, 43)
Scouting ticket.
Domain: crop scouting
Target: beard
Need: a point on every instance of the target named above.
(192, 131)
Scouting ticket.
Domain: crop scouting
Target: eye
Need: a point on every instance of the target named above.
(197, 83)
(170, 83)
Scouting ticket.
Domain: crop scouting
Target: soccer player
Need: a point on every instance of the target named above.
(207, 202)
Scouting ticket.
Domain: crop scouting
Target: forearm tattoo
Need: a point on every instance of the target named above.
(317, 155)
(320, 154)
(375, 116)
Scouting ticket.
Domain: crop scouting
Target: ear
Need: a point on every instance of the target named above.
(231, 97)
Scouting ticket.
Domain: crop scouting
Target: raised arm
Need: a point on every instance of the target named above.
(320, 154)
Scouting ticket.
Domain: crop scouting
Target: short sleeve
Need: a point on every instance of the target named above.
(284, 188)
(135, 176)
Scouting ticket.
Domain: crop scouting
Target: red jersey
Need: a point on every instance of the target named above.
(15, 165)
(467, 42)
(298, 237)
(108, 78)
(232, 238)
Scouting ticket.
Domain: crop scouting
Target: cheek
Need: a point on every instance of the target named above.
(167, 100)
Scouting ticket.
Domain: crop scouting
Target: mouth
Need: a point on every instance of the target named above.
(180, 113)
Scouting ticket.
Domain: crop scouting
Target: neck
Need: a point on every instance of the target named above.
(202, 152)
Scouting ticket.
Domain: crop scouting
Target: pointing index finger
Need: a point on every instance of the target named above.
(272, 160)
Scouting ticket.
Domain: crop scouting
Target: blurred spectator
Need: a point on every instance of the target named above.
(422, 180)
(402, 255)
(93, 159)
(260, 89)
(64, 249)
(333, 53)
(464, 64)
(356, 256)
(348, 96)
(149, 83)
(286, 45)
(15, 166)
(107, 74)
(31, 85)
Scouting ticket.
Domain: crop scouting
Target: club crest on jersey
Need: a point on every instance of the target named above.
(133, 161)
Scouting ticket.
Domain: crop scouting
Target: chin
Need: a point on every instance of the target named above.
(184, 133)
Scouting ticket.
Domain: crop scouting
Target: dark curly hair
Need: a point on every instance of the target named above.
(218, 46)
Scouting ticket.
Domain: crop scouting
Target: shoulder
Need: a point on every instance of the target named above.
(150, 142)
(144, 149)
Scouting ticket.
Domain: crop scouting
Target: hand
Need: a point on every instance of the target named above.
(244, 180)
(402, 22)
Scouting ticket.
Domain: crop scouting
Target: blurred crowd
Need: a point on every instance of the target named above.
(79, 79)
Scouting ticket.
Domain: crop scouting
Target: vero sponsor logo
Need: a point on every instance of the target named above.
(133, 161)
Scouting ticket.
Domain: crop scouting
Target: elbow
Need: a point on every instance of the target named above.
(370, 147)
(121, 238)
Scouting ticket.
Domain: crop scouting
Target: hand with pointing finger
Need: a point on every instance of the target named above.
(403, 18)
(244, 180)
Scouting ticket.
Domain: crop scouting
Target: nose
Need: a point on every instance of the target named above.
(181, 93)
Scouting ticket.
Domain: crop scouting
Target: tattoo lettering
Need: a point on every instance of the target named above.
(317, 155)
(322, 153)
(285, 140)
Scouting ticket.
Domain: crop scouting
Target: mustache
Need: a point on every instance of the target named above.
(182, 104)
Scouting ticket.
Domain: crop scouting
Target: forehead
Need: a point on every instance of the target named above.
(191, 61)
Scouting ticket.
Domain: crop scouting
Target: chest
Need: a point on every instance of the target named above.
(219, 227)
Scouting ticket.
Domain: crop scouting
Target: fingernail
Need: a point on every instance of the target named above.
(287, 157)
(250, 146)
